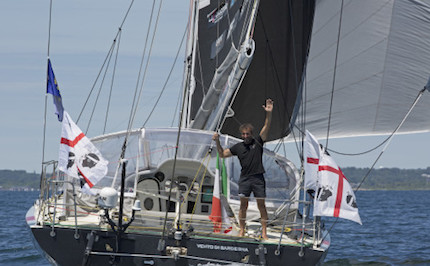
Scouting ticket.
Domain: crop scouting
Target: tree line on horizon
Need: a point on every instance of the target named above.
(383, 178)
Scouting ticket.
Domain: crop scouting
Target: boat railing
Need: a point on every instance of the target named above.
(52, 186)
(284, 218)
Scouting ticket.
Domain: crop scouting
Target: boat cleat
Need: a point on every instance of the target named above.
(175, 252)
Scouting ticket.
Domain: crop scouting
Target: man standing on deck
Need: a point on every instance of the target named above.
(250, 153)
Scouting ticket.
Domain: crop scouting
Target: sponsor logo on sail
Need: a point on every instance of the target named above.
(216, 15)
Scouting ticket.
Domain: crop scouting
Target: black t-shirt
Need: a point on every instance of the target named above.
(250, 156)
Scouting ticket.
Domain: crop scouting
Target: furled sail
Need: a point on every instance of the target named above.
(383, 62)
(221, 31)
(277, 61)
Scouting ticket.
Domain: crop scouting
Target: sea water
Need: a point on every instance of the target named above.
(395, 230)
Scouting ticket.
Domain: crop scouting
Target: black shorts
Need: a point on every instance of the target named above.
(252, 183)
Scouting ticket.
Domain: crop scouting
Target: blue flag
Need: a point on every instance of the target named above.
(52, 88)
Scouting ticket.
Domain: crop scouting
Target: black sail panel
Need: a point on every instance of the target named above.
(220, 29)
(282, 35)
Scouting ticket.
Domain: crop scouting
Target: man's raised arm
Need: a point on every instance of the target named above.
(264, 133)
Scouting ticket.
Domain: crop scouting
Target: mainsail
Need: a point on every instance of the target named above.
(382, 64)
(281, 34)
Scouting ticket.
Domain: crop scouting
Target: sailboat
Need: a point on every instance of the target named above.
(154, 203)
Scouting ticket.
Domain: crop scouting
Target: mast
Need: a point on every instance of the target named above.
(190, 52)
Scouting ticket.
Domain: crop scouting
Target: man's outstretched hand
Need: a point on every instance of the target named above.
(269, 105)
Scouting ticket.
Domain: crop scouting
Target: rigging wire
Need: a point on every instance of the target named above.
(332, 94)
(363, 152)
(244, 30)
(147, 65)
(99, 91)
(111, 85)
(281, 141)
(176, 108)
(305, 89)
(222, 119)
(388, 140)
(204, 89)
(135, 104)
(276, 75)
(181, 113)
(392, 135)
(96, 80)
(294, 57)
(270, 53)
(272, 61)
(168, 78)
(334, 73)
(105, 60)
(231, 33)
(141, 66)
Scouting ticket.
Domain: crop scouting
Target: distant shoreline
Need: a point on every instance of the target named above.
(378, 179)
(391, 189)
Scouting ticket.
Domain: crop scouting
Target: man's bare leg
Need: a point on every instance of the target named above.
(242, 214)
(263, 212)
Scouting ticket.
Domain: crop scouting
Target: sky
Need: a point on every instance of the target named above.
(81, 35)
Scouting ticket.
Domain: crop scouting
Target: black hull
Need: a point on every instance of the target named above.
(141, 249)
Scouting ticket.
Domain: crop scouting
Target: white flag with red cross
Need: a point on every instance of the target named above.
(334, 195)
(311, 151)
(78, 157)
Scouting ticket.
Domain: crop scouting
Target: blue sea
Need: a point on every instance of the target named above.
(395, 230)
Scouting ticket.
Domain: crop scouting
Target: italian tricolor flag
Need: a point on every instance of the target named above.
(219, 215)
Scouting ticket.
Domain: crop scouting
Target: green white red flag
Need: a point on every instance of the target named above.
(218, 214)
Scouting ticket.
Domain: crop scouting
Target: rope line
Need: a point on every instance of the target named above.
(167, 80)
(388, 140)
(99, 91)
(147, 64)
(111, 85)
(104, 62)
(140, 67)
(334, 73)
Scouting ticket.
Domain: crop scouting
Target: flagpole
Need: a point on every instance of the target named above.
(305, 207)
(46, 94)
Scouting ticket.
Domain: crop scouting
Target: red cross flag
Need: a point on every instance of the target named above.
(334, 196)
(312, 151)
(78, 157)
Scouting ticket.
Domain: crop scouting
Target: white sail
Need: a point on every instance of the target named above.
(383, 62)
